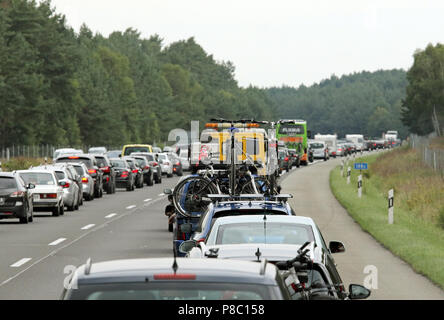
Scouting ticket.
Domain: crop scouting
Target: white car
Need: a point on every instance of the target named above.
(183, 156)
(165, 164)
(97, 150)
(60, 152)
(320, 150)
(48, 194)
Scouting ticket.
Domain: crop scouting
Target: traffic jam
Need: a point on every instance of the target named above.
(234, 233)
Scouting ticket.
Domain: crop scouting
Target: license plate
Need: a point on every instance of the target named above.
(36, 197)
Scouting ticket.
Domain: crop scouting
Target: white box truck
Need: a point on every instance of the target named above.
(357, 139)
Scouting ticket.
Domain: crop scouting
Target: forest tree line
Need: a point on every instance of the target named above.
(62, 87)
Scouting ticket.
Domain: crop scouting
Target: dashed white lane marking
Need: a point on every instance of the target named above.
(111, 215)
(161, 195)
(58, 241)
(20, 262)
(89, 226)
(147, 200)
(131, 207)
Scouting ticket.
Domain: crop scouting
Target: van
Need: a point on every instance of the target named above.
(331, 140)
(358, 140)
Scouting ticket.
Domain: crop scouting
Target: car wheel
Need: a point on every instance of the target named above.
(71, 208)
(62, 209)
(31, 218)
(150, 181)
(170, 227)
(24, 220)
(109, 189)
(56, 211)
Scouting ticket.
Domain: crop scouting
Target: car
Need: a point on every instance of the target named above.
(184, 159)
(166, 164)
(153, 163)
(130, 148)
(284, 160)
(76, 177)
(65, 178)
(125, 178)
(109, 174)
(176, 279)
(296, 161)
(65, 151)
(86, 180)
(320, 150)
(114, 154)
(47, 194)
(97, 150)
(177, 164)
(168, 149)
(137, 170)
(93, 169)
(15, 198)
(148, 172)
(341, 150)
(157, 150)
(198, 225)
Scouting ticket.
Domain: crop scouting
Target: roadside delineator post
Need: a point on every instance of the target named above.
(348, 175)
(360, 186)
(390, 206)
(342, 167)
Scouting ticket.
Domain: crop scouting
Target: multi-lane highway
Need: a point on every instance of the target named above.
(33, 257)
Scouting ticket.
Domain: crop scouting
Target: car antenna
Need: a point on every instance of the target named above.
(258, 254)
(265, 227)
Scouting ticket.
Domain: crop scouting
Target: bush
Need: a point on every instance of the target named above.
(21, 163)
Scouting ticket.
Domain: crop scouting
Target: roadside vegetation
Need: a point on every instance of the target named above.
(21, 163)
(417, 235)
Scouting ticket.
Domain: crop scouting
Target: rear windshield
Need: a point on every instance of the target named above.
(101, 162)
(118, 163)
(270, 233)
(7, 183)
(60, 175)
(79, 170)
(141, 162)
(86, 161)
(38, 178)
(317, 145)
(130, 150)
(173, 290)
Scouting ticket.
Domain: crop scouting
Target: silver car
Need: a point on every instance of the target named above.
(87, 180)
(166, 164)
(183, 156)
(48, 194)
(97, 150)
(66, 180)
(320, 150)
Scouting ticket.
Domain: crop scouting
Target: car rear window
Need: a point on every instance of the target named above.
(129, 150)
(38, 178)
(101, 162)
(118, 163)
(7, 183)
(88, 162)
(141, 162)
(79, 170)
(60, 175)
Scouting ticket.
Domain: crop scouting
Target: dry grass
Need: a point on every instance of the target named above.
(437, 143)
(21, 163)
(417, 188)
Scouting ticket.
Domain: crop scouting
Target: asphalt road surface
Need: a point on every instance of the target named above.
(36, 258)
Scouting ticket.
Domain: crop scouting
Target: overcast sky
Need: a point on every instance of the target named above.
(278, 42)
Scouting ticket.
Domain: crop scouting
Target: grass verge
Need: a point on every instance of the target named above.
(416, 235)
(21, 163)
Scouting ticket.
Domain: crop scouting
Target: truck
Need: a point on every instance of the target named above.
(331, 141)
(358, 140)
(392, 138)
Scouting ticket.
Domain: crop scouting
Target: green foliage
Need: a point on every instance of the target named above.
(367, 103)
(425, 92)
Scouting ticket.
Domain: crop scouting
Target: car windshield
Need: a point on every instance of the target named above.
(264, 232)
(173, 290)
(7, 183)
(38, 178)
(317, 145)
(118, 163)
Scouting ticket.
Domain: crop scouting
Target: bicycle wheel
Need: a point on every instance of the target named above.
(189, 194)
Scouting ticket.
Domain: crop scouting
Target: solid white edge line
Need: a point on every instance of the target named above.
(20, 263)
(89, 226)
(58, 241)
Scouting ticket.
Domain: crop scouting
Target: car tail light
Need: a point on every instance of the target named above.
(174, 169)
(105, 169)
(172, 276)
(66, 185)
(92, 171)
(48, 195)
(147, 167)
(124, 174)
(178, 164)
(73, 157)
(17, 194)
(200, 240)
(135, 171)
(85, 180)
(155, 164)
(107, 179)
(286, 159)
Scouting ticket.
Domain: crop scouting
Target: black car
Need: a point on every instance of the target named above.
(125, 178)
(148, 173)
(154, 164)
(137, 170)
(177, 164)
(180, 279)
(109, 173)
(93, 169)
(15, 198)
(296, 161)
(284, 160)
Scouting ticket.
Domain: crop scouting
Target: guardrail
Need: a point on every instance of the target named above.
(434, 158)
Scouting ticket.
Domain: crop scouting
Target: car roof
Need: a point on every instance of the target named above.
(259, 218)
(250, 205)
(206, 270)
(36, 171)
(49, 167)
(7, 174)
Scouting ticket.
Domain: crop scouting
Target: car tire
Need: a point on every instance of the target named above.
(56, 211)
(31, 217)
(62, 209)
(150, 181)
(24, 220)
(170, 227)
(71, 208)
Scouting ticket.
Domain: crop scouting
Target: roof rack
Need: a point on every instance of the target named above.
(263, 267)
(88, 266)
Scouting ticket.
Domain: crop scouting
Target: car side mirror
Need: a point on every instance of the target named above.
(358, 292)
(30, 186)
(187, 246)
(336, 247)
(168, 191)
